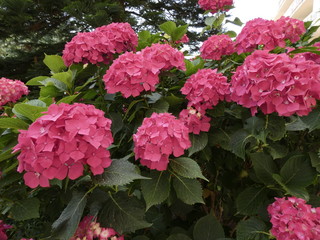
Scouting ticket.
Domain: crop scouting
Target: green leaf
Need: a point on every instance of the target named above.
(64, 77)
(49, 91)
(14, 123)
(188, 190)
(297, 172)
(37, 103)
(144, 35)
(249, 201)
(29, 111)
(208, 228)
(54, 82)
(220, 138)
(186, 167)
(120, 172)
(168, 27)
(236, 21)
(178, 236)
(209, 21)
(25, 209)
(54, 63)
(315, 160)
(65, 226)
(36, 81)
(159, 106)
(255, 126)
(252, 229)
(156, 190)
(276, 128)
(312, 120)
(68, 99)
(296, 125)
(238, 142)
(123, 213)
(179, 32)
(117, 122)
(277, 150)
(198, 142)
(231, 34)
(264, 167)
(217, 22)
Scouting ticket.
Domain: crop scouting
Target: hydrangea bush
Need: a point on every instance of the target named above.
(131, 138)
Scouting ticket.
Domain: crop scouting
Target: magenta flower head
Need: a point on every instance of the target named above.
(291, 28)
(157, 138)
(3, 228)
(215, 5)
(164, 57)
(276, 83)
(292, 218)
(195, 121)
(100, 45)
(184, 39)
(205, 89)
(130, 74)
(217, 46)
(11, 90)
(61, 142)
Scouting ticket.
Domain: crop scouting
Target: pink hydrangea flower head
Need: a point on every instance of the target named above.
(312, 56)
(184, 39)
(216, 46)
(164, 57)
(292, 28)
(276, 83)
(61, 142)
(215, 5)
(11, 90)
(195, 121)
(292, 218)
(130, 74)
(100, 45)
(89, 229)
(206, 88)
(157, 138)
(121, 35)
(3, 228)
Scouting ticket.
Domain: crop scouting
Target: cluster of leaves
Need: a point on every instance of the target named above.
(219, 189)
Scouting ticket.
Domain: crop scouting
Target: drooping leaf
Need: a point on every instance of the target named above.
(198, 142)
(188, 190)
(249, 201)
(54, 63)
(208, 228)
(25, 209)
(264, 167)
(120, 172)
(252, 229)
(14, 123)
(65, 226)
(123, 213)
(156, 189)
(186, 167)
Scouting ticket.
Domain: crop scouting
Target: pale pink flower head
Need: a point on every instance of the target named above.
(3, 228)
(292, 28)
(157, 138)
(100, 45)
(276, 83)
(184, 39)
(61, 142)
(217, 46)
(206, 88)
(163, 57)
(130, 74)
(292, 219)
(11, 90)
(195, 121)
(215, 5)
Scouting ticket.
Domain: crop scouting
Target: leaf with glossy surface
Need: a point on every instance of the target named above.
(14, 123)
(54, 63)
(208, 228)
(29, 111)
(186, 167)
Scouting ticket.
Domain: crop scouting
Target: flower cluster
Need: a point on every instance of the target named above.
(3, 228)
(268, 33)
(216, 46)
(61, 142)
(276, 83)
(293, 219)
(184, 39)
(215, 5)
(205, 89)
(133, 73)
(159, 136)
(99, 45)
(88, 229)
(194, 120)
(11, 90)
(312, 56)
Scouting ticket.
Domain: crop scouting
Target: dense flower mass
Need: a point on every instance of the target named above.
(216, 46)
(11, 90)
(195, 121)
(99, 45)
(206, 88)
(3, 228)
(131, 74)
(276, 83)
(159, 136)
(293, 219)
(313, 56)
(215, 5)
(164, 57)
(89, 229)
(268, 34)
(61, 142)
